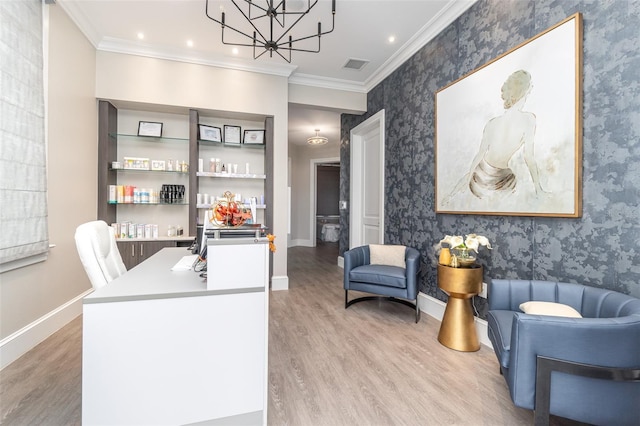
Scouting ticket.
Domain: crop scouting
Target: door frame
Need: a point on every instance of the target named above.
(313, 189)
(356, 184)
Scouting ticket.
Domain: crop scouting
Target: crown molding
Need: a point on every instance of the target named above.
(435, 26)
(327, 83)
(115, 45)
(446, 16)
(79, 18)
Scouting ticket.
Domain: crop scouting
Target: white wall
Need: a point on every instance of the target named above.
(333, 99)
(131, 78)
(27, 294)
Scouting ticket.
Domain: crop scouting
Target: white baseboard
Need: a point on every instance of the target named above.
(435, 308)
(22, 341)
(279, 283)
(301, 243)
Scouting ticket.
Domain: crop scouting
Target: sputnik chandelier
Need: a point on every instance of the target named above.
(272, 39)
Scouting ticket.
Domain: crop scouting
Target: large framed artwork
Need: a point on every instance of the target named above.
(509, 134)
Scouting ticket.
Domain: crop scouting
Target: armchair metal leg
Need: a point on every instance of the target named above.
(544, 367)
(348, 302)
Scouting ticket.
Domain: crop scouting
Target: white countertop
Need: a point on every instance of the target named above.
(154, 279)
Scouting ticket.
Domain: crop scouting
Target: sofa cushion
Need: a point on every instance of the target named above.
(383, 254)
(500, 323)
(390, 276)
(549, 308)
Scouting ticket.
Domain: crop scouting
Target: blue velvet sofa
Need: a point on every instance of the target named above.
(604, 343)
(392, 283)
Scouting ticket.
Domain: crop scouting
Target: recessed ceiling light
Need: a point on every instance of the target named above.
(190, 43)
(392, 39)
(235, 50)
(141, 35)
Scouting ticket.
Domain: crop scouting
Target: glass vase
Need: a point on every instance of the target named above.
(465, 257)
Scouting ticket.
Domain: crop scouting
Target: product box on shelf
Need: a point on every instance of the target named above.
(125, 230)
(136, 163)
(129, 194)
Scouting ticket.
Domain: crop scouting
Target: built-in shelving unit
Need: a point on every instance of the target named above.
(179, 143)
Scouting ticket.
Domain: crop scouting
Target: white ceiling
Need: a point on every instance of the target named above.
(362, 29)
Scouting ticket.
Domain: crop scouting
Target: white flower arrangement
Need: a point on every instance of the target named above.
(472, 241)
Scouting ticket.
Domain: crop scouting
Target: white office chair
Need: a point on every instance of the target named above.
(98, 251)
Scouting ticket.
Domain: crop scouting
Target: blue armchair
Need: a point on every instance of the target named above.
(570, 356)
(390, 282)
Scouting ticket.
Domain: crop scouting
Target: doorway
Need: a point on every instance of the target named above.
(366, 222)
(324, 197)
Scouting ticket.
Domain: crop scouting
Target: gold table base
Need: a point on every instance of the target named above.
(457, 330)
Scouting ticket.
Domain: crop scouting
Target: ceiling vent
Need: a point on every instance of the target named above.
(355, 64)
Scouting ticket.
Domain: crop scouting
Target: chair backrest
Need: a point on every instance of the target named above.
(98, 251)
(591, 302)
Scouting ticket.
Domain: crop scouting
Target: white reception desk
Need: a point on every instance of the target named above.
(166, 347)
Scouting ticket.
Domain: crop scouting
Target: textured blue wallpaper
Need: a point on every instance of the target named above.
(600, 249)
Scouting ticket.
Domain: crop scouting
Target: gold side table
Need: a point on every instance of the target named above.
(457, 330)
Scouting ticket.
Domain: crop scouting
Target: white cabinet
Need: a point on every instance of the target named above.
(227, 261)
(159, 347)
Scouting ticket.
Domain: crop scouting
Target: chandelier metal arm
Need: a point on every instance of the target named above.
(272, 13)
(284, 12)
(264, 39)
(271, 54)
(333, 24)
(224, 25)
(302, 15)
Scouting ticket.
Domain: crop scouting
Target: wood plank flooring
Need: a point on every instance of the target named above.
(367, 365)
(370, 364)
(44, 386)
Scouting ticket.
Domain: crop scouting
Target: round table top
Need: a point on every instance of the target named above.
(462, 281)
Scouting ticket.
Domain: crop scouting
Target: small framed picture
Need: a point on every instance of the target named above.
(157, 165)
(210, 133)
(232, 134)
(253, 137)
(150, 128)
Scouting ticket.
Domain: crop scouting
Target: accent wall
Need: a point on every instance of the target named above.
(601, 248)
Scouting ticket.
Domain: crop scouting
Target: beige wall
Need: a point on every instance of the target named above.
(28, 293)
(156, 81)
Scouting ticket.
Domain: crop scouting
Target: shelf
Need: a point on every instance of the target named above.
(162, 238)
(232, 145)
(151, 139)
(185, 203)
(148, 171)
(231, 175)
(208, 206)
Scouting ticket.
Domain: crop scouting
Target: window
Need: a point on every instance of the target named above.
(23, 173)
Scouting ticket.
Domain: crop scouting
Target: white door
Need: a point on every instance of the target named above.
(367, 182)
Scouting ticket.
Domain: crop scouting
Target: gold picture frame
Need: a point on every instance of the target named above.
(509, 134)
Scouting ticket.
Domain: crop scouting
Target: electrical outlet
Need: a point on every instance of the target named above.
(483, 293)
